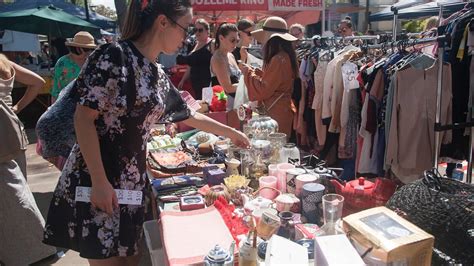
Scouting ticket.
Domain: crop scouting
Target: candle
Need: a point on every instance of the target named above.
(272, 169)
(266, 183)
(281, 175)
(303, 179)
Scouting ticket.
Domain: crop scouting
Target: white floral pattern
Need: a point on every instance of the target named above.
(130, 93)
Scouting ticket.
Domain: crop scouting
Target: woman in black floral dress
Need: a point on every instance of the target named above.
(121, 92)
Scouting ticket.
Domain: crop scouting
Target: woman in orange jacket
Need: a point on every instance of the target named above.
(273, 86)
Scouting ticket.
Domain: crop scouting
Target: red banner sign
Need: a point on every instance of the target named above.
(229, 5)
(295, 5)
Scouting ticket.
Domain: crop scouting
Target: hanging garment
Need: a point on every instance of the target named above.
(411, 139)
(319, 75)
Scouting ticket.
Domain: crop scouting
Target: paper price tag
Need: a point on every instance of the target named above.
(125, 197)
(349, 76)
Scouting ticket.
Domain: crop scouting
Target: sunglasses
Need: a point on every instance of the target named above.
(87, 50)
(187, 32)
(247, 33)
(234, 40)
(200, 30)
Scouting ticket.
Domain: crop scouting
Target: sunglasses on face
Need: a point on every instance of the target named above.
(87, 50)
(247, 33)
(200, 30)
(234, 40)
(186, 30)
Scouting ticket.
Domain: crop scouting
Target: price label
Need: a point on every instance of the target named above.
(125, 197)
(349, 76)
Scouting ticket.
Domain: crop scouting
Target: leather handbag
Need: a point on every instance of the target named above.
(12, 134)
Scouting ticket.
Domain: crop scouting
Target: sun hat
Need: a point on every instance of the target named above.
(273, 27)
(82, 39)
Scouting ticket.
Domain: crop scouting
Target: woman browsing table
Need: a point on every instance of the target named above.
(121, 93)
(272, 87)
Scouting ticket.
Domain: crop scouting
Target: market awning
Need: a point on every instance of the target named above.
(47, 20)
(419, 11)
(78, 11)
(257, 5)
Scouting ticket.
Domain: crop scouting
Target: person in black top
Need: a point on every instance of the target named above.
(199, 60)
(244, 26)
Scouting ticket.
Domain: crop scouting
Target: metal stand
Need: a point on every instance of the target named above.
(394, 24)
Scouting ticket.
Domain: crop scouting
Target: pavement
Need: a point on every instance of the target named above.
(42, 179)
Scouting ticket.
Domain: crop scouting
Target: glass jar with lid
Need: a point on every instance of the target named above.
(290, 152)
(277, 141)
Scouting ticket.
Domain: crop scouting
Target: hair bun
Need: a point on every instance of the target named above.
(348, 18)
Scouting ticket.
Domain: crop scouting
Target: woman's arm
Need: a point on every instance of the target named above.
(210, 125)
(185, 77)
(262, 86)
(33, 82)
(221, 69)
(102, 195)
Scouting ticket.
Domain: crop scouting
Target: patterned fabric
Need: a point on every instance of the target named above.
(113, 73)
(65, 71)
(55, 127)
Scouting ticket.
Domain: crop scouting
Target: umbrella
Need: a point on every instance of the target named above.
(420, 11)
(66, 6)
(47, 21)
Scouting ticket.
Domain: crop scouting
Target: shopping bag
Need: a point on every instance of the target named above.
(241, 95)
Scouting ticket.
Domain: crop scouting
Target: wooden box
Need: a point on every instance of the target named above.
(391, 238)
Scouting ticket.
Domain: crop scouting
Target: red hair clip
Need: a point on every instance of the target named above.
(144, 4)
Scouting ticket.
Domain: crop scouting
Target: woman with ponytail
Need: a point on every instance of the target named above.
(121, 92)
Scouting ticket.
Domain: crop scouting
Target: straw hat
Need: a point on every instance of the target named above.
(273, 27)
(82, 39)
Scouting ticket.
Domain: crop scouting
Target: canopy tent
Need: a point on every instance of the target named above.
(419, 11)
(94, 18)
(48, 21)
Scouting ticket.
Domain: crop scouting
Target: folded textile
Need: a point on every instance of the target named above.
(189, 236)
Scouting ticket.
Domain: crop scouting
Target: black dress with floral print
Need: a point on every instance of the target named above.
(131, 94)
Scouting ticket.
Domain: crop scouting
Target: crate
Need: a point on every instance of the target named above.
(152, 233)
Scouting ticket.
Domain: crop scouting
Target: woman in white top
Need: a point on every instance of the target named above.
(21, 223)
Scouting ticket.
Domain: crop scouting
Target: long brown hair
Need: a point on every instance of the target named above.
(274, 46)
(142, 13)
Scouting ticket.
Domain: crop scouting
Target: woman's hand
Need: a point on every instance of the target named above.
(243, 54)
(103, 196)
(239, 139)
(181, 84)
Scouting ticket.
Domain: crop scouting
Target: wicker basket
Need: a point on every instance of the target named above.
(444, 208)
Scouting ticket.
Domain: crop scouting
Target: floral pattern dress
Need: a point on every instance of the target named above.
(131, 94)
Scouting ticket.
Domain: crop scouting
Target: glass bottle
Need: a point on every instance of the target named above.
(257, 170)
(277, 141)
(287, 227)
(290, 152)
(246, 162)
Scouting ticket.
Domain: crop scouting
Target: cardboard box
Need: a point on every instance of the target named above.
(391, 237)
(335, 250)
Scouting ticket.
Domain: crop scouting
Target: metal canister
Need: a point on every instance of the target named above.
(291, 174)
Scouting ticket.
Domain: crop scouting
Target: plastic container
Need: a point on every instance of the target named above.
(153, 242)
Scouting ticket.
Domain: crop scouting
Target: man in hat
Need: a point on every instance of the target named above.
(68, 67)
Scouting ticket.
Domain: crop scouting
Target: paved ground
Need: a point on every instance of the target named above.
(42, 179)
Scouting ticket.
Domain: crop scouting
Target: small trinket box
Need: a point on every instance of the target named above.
(214, 176)
(188, 203)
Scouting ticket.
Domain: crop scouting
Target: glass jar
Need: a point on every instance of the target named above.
(263, 148)
(262, 126)
(287, 226)
(290, 152)
(277, 141)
